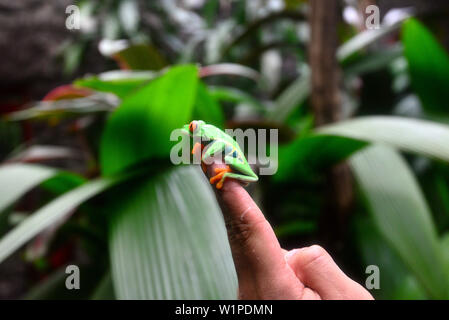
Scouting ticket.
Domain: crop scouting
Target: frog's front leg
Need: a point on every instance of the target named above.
(199, 147)
(214, 148)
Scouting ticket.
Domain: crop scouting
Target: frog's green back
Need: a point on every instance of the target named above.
(220, 135)
(239, 162)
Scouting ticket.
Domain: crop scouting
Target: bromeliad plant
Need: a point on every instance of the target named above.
(154, 231)
(163, 225)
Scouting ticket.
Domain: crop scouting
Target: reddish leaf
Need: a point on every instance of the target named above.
(66, 92)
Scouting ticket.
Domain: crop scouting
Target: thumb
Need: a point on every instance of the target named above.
(317, 270)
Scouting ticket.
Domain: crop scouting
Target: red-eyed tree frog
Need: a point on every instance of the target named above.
(214, 141)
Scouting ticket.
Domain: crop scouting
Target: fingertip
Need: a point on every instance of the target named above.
(308, 258)
(314, 253)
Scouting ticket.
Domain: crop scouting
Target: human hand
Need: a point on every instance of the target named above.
(264, 269)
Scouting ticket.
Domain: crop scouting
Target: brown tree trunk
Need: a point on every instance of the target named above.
(326, 104)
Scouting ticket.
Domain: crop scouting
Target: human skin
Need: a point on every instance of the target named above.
(264, 269)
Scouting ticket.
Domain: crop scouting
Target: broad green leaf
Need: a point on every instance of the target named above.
(51, 213)
(28, 178)
(402, 215)
(66, 92)
(308, 154)
(428, 64)
(63, 182)
(140, 128)
(168, 240)
(207, 108)
(121, 83)
(39, 153)
(221, 93)
(333, 143)
(18, 179)
(396, 282)
(374, 61)
(363, 40)
(417, 136)
(98, 102)
(230, 69)
(409, 289)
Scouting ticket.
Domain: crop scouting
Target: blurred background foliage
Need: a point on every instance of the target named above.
(86, 179)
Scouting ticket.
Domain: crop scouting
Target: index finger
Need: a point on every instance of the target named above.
(255, 248)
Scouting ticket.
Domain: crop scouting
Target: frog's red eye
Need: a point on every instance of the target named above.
(192, 126)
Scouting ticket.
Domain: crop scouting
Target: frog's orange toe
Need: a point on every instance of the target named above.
(219, 176)
(216, 177)
(224, 169)
(219, 185)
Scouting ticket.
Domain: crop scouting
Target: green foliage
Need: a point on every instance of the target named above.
(141, 57)
(141, 126)
(412, 135)
(402, 214)
(18, 179)
(429, 66)
(122, 85)
(292, 97)
(363, 40)
(62, 182)
(168, 241)
(157, 232)
(50, 214)
(229, 94)
(307, 155)
(396, 281)
(207, 108)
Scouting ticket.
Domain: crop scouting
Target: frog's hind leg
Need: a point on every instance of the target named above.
(244, 176)
(240, 177)
(220, 172)
(213, 150)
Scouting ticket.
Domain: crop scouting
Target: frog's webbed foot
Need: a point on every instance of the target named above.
(220, 172)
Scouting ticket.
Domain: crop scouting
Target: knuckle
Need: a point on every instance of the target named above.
(241, 231)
